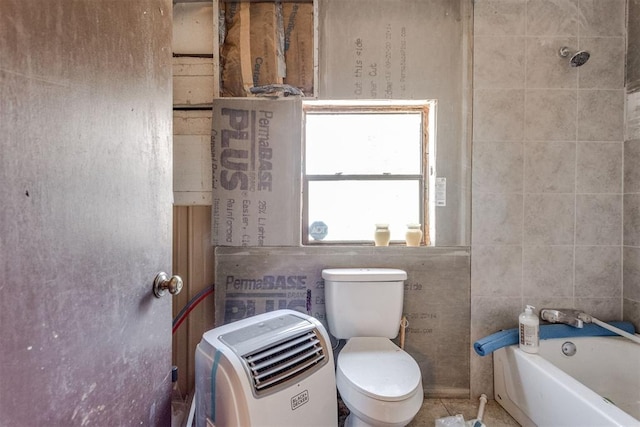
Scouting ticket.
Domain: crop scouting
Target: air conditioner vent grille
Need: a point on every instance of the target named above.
(285, 361)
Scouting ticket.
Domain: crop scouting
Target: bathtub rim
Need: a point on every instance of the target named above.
(546, 368)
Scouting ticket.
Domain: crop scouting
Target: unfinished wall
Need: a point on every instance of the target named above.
(435, 66)
(408, 49)
(409, 62)
(255, 280)
(195, 62)
(415, 49)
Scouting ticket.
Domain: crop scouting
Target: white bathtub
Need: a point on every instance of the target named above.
(598, 386)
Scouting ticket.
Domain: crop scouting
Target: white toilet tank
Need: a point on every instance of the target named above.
(364, 302)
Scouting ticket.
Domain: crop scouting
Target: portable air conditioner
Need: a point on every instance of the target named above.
(273, 369)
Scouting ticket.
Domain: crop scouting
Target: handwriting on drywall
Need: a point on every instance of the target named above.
(380, 73)
(422, 323)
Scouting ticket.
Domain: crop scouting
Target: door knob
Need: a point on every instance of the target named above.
(163, 283)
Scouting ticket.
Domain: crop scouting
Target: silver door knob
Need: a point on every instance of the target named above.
(163, 283)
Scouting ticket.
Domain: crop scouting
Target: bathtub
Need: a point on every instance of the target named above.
(599, 385)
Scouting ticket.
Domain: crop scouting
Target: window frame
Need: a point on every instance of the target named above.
(424, 107)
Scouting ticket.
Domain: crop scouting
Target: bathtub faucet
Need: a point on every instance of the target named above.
(568, 316)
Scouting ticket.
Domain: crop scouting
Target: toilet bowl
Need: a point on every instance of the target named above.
(379, 382)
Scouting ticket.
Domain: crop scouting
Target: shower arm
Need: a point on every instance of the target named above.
(576, 58)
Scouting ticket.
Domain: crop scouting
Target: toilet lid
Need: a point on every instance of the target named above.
(379, 369)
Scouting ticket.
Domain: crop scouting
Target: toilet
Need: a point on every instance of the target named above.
(380, 383)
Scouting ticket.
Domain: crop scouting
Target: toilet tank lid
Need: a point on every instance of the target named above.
(363, 274)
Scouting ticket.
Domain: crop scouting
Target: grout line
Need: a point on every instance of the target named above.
(575, 166)
(524, 158)
(622, 246)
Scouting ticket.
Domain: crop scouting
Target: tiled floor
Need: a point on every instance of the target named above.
(432, 409)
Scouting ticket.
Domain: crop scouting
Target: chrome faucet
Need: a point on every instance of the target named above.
(568, 316)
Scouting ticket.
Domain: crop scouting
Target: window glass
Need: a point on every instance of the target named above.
(350, 209)
(364, 164)
(354, 143)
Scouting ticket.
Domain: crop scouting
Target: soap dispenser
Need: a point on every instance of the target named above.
(529, 330)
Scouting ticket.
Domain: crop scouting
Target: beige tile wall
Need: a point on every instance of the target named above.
(631, 271)
(547, 197)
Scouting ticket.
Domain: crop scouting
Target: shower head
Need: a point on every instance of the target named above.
(576, 59)
(579, 58)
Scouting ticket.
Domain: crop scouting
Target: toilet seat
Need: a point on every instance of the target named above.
(379, 382)
(377, 368)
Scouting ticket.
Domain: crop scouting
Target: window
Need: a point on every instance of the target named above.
(365, 163)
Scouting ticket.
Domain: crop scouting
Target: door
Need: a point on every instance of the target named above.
(85, 212)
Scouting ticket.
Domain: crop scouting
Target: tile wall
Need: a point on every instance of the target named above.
(631, 260)
(547, 186)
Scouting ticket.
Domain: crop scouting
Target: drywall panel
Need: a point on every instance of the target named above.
(256, 166)
(251, 281)
(408, 49)
(193, 28)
